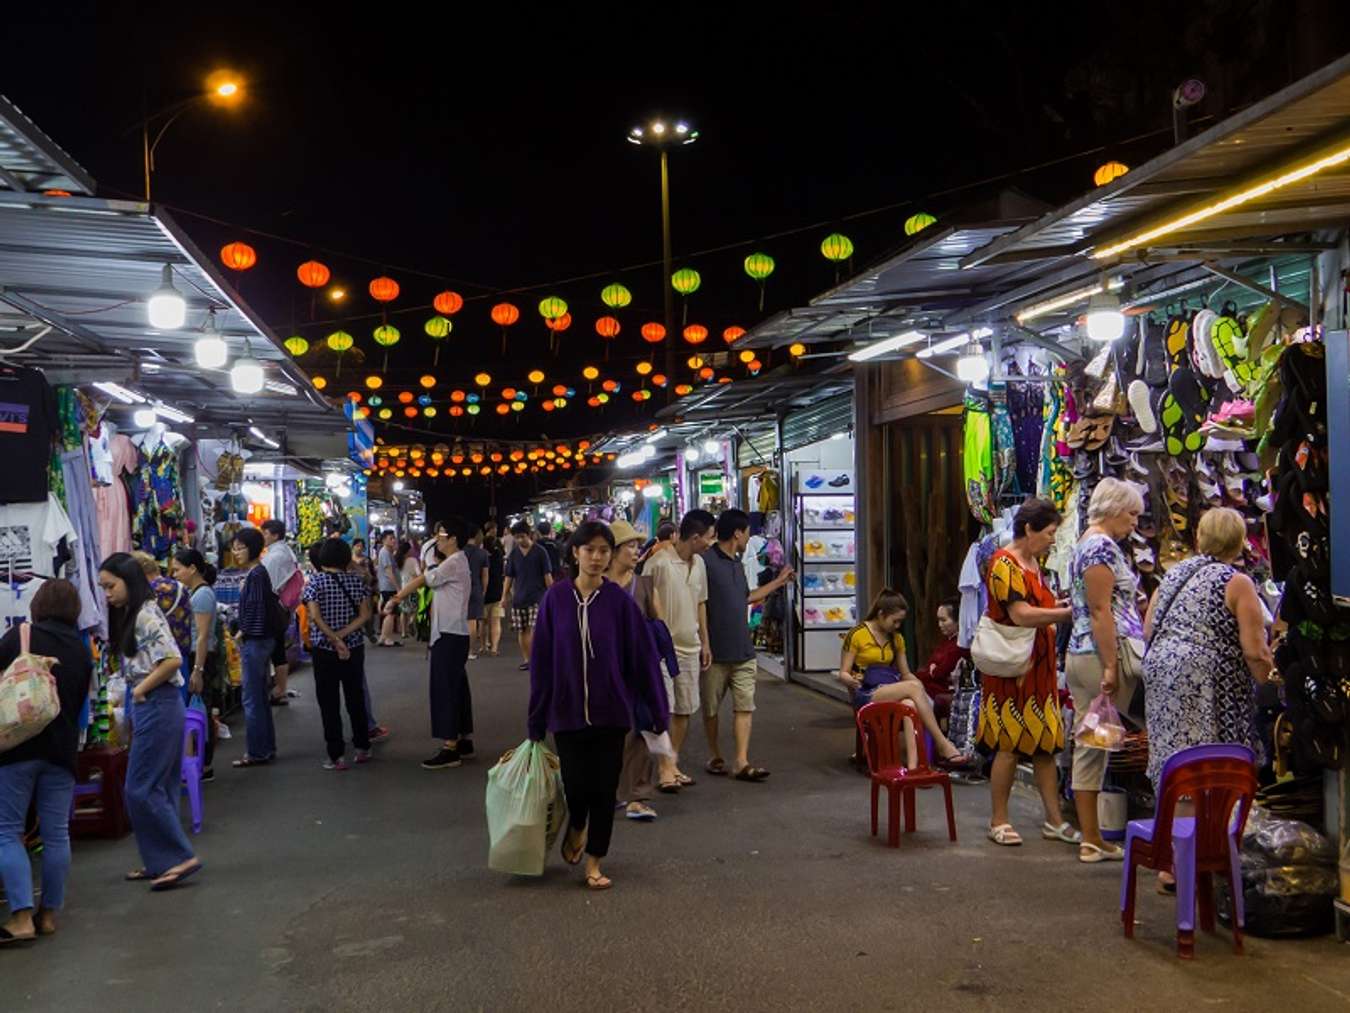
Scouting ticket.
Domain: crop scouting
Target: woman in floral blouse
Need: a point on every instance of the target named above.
(151, 664)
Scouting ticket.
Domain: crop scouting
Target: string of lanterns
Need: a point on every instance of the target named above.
(438, 460)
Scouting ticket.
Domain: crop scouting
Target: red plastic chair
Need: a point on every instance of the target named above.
(1219, 780)
(881, 726)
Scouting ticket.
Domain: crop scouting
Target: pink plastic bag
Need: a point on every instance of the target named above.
(1100, 727)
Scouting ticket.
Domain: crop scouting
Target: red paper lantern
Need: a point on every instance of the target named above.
(607, 328)
(610, 386)
(504, 314)
(653, 333)
(733, 334)
(658, 380)
(683, 389)
(696, 334)
(559, 324)
(384, 289)
(238, 256)
(548, 406)
(559, 391)
(313, 274)
(593, 401)
(706, 373)
(448, 303)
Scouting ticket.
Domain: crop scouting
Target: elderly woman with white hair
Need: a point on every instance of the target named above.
(1106, 647)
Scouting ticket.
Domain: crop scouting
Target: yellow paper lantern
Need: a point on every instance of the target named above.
(536, 376)
(427, 381)
(644, 368)
(374, 382)
(796, 349)
(319, 383)
(747, 355)
(483, 379)
(590, 373)
(1109, 172)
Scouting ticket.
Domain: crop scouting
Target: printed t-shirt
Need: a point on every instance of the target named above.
(28, 420)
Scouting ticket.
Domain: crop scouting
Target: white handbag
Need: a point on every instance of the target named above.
(1002, 651)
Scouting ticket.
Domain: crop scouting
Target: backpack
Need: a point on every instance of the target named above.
(28, 697)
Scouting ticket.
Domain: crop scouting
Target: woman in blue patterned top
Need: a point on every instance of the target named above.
(1106, 647)
(151, 665)
(338, 610)
(257, 633)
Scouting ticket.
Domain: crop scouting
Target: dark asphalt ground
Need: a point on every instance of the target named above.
(369, 890)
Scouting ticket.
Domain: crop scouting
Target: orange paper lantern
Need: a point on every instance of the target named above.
(504, 314)
(653, 333)
(559, 324)
(696, 334)
(313, 274)
(658, 380)
(607, 327)
(238, 256)
(405, 397)
(733, 334)
(683, 388)
(559, 390)
(448, 303)
(384, 289)
(706, 373)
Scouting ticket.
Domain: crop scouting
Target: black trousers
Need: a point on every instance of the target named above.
(451, 701)
(591, 761)
(331, 673)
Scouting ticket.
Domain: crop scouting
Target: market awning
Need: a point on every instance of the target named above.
(759, 398)
(30, 161)
(1205, 178)
(84, 266)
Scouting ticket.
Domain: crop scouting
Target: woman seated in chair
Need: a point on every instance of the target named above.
(875, 669)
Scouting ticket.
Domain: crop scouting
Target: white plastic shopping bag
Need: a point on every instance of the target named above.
(526, 809)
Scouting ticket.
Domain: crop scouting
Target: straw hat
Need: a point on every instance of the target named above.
(624, 532)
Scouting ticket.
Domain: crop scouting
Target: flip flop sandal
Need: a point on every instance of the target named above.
(1099, 431)
(1115, 453)
(8, 938)
(137, 876)
(1078, 433)
(685, 780)
(173, 880)
(751, 773)
(1005, 835)
(598, 882)
(1173, 421)
(1090, 854)
(669, 787)
(581, 848)
(1064, 832)
(1177, 335)
(716, 767)
(961, 761)
(643, 814)
(1202, 359)
(249, 761)
(1155, 354)
(1144, 560)
(1189, 394)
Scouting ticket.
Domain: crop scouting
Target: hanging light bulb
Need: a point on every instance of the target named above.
(211, 350)
(143, 417)
(710, 447)
(972, 366)
(166, 308)
(1105, 321)
(691, 454)
(246, 377)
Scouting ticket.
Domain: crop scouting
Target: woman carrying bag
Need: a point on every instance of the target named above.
(338, 611)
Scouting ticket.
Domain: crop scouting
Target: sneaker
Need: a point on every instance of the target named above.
(465, 748)
(524, 666)
(363, 756)
(209, 774)
(443, 758)
(473, 656)
(379, 733)
(338, 764)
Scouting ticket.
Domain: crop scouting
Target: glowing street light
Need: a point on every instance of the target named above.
(223, 88)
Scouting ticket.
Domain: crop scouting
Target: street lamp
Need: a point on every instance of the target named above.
(664, 134)
(223, 88)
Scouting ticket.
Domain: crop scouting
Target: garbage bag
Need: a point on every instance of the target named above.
(1285, 901)
(526, 809)
(1268, 841)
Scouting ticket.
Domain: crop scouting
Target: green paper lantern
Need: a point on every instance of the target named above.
(296, 345)
(473, 409)
(915, 224)
(437, 328)
(340, 341)
(686, 281)
(616, 296)
(551, 307)
(759, 266)
(836, 247)
(386, 335)
(374, 400)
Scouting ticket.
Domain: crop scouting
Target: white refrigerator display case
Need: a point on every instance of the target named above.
(827, 601)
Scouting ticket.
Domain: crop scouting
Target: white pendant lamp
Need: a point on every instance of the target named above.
(972, 366)
(211, 349)
(166, 308)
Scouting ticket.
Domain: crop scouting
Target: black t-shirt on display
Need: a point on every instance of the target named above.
(27, 423)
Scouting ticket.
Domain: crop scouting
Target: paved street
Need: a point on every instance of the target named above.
(368, 890)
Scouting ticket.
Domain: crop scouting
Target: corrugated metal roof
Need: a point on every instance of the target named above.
(32, 161)
(1313, 109)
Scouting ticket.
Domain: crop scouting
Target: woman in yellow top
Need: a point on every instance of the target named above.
(876, 643)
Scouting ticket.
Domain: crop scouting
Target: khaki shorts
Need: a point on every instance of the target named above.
(684, 689)
(1084, 675)
(738, 677)
(494, 611)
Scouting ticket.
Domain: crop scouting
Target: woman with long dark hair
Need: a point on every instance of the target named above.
(592, 659)
(191, 569)
(148, 657)
(259, 619)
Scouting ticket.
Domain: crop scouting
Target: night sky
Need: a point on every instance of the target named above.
(488, 155)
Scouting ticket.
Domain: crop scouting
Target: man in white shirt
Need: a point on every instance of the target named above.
(681, 582)
(281, 566)
(451, 702)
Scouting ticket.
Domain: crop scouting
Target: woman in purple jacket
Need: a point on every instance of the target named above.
(592, 661)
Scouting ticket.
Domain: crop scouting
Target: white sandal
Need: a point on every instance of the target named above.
(1064, 832)
(1005, 835)
(1090, 854)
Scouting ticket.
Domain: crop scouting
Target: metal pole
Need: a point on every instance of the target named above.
(666, 260)
(145, 149)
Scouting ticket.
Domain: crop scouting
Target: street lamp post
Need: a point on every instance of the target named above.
(663, 136)
(223, 88)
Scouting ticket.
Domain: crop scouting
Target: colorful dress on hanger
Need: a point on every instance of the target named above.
(1027, 413)
(1005, 444)
(977, 459)
(1022, 715)
(111, 501)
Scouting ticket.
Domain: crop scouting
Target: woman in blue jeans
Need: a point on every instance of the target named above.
(41, 771)
(148, 657)
(257, 601)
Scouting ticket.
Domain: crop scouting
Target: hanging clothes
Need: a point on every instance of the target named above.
(769, 497)
(159, 501)
(83, 569)
(1005, 444)
(977, 459)
(28, 426)
(1026, 410)
(112, 502)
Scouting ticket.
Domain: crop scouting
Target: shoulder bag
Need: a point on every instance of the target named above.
(29, 701)
(1002, 651)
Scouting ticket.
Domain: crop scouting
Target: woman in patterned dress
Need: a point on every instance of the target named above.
(1021, 717)
(1207, 648)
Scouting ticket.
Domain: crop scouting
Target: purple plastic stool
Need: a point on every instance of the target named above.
(194, 759)
(1220, 781)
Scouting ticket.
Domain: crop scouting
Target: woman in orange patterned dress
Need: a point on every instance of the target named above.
(1021, 717)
